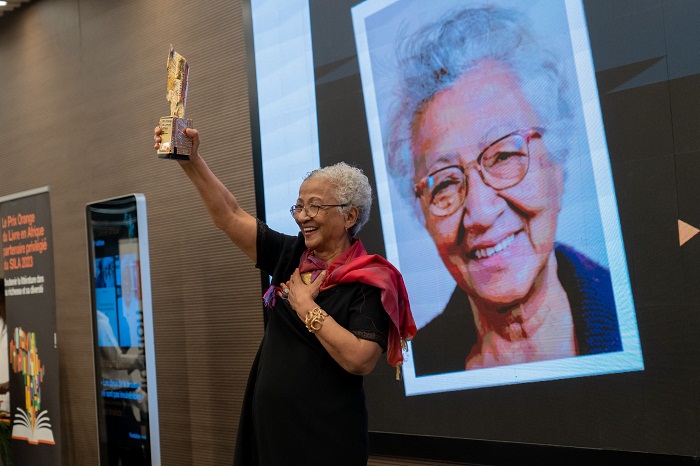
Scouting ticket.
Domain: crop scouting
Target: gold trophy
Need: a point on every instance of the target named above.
(174, 144)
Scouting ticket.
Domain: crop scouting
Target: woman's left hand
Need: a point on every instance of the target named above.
(353, 354)
(301, 296)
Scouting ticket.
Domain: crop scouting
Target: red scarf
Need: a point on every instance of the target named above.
(355, 265)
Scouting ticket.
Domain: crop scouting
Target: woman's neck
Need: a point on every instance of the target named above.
(538, 328)
(547, 301)
(328, 256)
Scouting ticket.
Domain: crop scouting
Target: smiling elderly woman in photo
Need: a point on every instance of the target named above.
(479, 142)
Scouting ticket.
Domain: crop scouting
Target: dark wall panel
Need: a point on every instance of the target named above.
(83, 87)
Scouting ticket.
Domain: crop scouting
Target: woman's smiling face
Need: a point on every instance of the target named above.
(325, 233)
(497, 244)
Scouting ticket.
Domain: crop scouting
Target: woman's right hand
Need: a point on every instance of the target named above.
(156, 137)
(189, 132)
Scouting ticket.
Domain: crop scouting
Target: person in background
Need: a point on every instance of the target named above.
(331, 310)
(478, 143)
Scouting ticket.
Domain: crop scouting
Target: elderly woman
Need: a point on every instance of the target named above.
(479, 141)
(331, 311)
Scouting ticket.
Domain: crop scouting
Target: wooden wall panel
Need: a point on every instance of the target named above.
(82, 85)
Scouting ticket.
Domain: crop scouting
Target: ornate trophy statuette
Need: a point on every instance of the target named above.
(174, 144)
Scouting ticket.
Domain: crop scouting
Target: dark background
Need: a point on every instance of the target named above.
(647, 62)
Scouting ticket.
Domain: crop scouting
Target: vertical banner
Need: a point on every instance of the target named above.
(31, 325)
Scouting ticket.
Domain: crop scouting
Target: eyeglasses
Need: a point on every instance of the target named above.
(311, 210)
(502, 164)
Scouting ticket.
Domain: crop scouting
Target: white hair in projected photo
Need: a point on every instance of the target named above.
(495, 191)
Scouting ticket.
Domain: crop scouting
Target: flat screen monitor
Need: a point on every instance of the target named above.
(123, 331)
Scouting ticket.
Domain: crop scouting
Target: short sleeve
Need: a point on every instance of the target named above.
(367, 318)
(277, 254)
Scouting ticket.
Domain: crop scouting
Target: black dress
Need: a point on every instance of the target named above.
(300, 406)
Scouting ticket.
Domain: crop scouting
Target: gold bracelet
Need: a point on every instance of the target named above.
(314, 319)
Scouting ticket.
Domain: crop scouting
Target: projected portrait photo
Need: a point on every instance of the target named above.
(495, 190)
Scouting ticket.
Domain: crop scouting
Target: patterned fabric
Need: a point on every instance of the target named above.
(355, 265)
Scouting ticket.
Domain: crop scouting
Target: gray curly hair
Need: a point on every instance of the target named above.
(351, 187)
(433, 58)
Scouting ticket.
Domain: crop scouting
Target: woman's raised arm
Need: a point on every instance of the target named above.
(222, 206)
